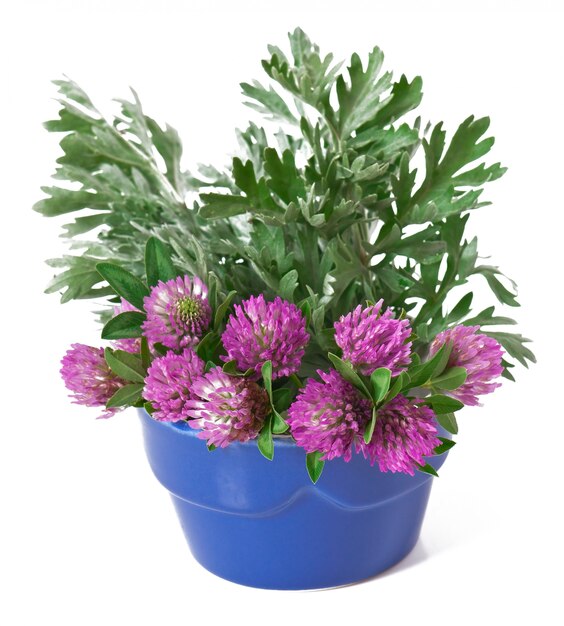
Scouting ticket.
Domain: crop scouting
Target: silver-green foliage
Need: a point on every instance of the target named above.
(321, 207)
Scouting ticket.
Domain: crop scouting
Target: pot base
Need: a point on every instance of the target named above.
(311, 543)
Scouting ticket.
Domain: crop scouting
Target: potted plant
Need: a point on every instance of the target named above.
(296, 329)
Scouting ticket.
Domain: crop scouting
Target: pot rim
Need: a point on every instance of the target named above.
(183, 427)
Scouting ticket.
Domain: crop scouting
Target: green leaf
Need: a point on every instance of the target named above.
(125, 365)
(284, 178)
(145, 353)
(282, 398)
(124, 326)
(422, 373)
(348, 373)
(288, 284)
(506, 367)
(279, 424)
(446, 445)
(160, 349)
(305, 308)
(217, 205)
(428, 469)
(266, 372)
(448, 422)
(461, 309)
(314, 465)
(440, 360)
(125, 396)
(158, 262)
(468, 257)
(487, 318)
(265, 441)
(230, 367)
(501, 292)
(222, 309)
(207, 345)
(380, 382)
(149, 408)
(370, 427)
(359, 101)
(514, 344)
(267, 101)
(168, 144)
(405, 96)
(451, 379)
(125, 284)
(443, 404)
(400, 383)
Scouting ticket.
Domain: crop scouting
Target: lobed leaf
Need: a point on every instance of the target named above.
(158, 262)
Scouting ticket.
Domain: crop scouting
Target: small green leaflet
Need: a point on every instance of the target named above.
(371, 425)
(266, 371)
(428, 469)
(222, 310)
(400, 382)
(451, 379)
(124, 326)
(125, 365)
(125, 284)
(348, 373)
(125, 396)
(207, 346)
(380, 382)
(314, 465)
(440, 360)
(448, 422)
(265, 441)
(422, 373)
(443, 404)
(278, 424)
(288, 284)
(231, 368)
(446, 445)
(145, 353)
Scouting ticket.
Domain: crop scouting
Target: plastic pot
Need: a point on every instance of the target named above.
(264, 524)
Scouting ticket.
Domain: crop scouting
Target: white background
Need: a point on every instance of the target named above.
(87, 534)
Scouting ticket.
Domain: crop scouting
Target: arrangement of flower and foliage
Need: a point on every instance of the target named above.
(306, 290)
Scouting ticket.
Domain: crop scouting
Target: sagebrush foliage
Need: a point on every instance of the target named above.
(320, 207)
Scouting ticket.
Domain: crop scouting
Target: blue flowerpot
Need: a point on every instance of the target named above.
(264, 524)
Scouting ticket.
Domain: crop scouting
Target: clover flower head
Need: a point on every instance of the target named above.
(87, 375)
(479, 354)
(226, 408)
(169, 382)
(403, 435)
(370, 338)
(261, 331)
(178, 312)
(329, 416)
